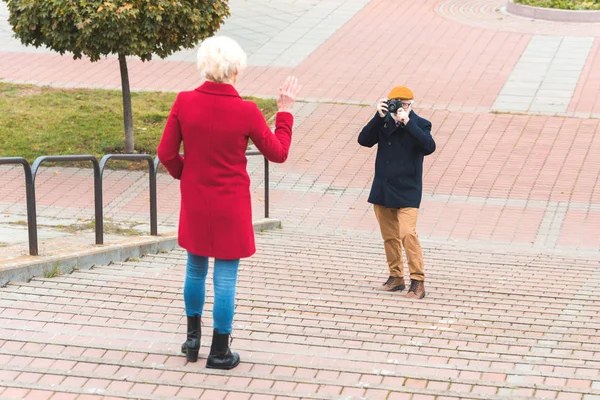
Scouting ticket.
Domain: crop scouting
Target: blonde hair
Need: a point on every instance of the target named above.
(220, 58)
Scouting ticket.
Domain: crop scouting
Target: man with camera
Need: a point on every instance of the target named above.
(403, 139)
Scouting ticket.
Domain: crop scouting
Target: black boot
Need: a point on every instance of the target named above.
(191, 346)
(220, 356)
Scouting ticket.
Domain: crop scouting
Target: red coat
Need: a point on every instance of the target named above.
(215, 123)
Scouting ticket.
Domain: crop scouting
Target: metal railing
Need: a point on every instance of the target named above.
(248, 153)
(152, 185)
(97, 185)
(258, 153)
(98, 168)
(29, 199)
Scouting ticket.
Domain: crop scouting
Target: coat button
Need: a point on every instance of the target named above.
(389, 143)
(387, 161)
(385, 179)
(400, 180)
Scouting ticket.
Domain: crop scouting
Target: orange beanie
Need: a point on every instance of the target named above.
(402, 93)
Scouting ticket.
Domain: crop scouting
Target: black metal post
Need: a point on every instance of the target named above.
(258, 153)
(97, 184)
(152, 168)
(30, 201)
(266, 187)
(153, 199)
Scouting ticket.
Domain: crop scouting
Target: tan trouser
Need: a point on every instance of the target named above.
(399, 229)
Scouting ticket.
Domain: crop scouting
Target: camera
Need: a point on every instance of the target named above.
(394, 105)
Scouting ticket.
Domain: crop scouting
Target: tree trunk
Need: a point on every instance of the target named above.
(127, 113)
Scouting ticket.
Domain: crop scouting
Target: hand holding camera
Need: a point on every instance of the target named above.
(382, 107)
(399, 110)
(393, 108)
(401, 116)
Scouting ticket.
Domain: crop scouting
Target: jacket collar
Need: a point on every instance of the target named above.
(221, 89)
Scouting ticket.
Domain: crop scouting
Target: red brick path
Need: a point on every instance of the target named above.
(509, 223)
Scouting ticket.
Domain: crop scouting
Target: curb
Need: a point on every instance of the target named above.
(28, 267)
(552, 14)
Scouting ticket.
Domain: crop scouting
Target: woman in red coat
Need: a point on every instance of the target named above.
(214, 123)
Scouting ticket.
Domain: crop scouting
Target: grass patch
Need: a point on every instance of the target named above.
(53, 272)
(20, 223)
(38, 121)
(110, 228)
(563, 4)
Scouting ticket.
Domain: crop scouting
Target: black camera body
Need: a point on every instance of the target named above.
(394, 105)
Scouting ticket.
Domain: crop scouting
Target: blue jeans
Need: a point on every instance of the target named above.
(224, 279)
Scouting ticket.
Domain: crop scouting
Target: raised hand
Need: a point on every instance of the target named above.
(287, 94)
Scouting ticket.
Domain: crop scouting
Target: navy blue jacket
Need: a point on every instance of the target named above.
(398, 180)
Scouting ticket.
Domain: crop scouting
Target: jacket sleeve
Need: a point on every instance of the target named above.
(369, 136)
(170, 143)
(274, 147)
(422, 135)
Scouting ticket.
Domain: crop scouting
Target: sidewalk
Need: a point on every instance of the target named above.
(509, 221)
(532, 177)
(305, 331)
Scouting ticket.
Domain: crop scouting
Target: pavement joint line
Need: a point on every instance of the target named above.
(82, 391)
(123, 303)
(267, 361)
(312, 289)
(338, 336)
(553, 219)
(470, 262)
(316, 381)
(275, 392)
(312, 286)
(471, 321)
(571, 307)
(388, 388)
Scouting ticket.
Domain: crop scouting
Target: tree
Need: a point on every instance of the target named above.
(96, 28)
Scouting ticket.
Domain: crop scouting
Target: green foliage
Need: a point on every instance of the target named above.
(51, 273)
(37, 121)
(563, 4)
(97, 28)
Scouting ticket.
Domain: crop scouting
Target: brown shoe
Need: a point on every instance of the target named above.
(417, 290)
(394, 283)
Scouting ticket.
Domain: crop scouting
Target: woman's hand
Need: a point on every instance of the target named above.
(287, 94)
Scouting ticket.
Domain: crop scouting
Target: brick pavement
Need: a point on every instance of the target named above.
(310, 325)
(504, 193)
(528, 177)
(440, 54)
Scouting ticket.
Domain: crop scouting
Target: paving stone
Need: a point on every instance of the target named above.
(503, 193)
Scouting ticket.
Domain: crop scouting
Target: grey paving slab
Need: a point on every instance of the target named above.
(282, 33)
(278, 33)
(546, 75)
(519, 91)
(16, 234)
